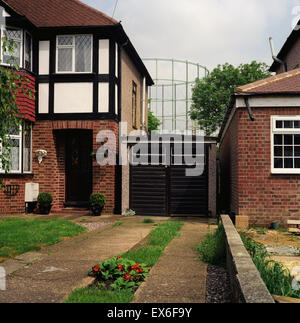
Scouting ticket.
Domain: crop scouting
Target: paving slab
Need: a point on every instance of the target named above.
(179, 276)
(64, 266)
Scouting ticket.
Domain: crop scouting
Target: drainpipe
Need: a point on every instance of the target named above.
(276, 59)
(249, 109)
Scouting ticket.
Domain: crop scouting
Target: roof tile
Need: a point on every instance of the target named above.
(288, 82)
(60, 13)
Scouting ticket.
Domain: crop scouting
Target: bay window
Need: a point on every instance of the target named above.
(21, 54)
(74, 54)
(285, 141)
(20, 141)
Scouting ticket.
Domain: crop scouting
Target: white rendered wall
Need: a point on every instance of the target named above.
(104, 56)
(43, 98)
(44, 57)
(73, 98)
(103, 98)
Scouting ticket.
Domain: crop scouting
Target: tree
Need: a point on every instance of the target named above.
(12, 83)
(153, 122)
(211, 95)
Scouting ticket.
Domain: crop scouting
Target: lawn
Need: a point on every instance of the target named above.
(18, 236)
(147, 254)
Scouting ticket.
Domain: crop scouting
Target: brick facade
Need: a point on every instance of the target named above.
(247, 182)
(50, 174)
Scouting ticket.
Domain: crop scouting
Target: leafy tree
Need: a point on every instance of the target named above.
(153, 122)
(12, 83)
(211, 95)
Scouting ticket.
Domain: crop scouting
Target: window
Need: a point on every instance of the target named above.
(28, 52)
(23, 42)
(74, 54)
(134, 101)
(15, 35)
(285, 144)
(21, 150)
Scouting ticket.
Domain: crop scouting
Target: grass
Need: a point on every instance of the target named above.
(148, 254)
(148, 221)
(18, 236)
(277, 278)
(213, 249)
(117, 224)
(94, 295)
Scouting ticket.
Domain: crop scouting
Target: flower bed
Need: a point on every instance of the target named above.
(118, 273)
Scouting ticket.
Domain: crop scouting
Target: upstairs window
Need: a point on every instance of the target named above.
(15, 36)
(134, 102)
(285, 144)
(28, 52)
(22, 51)
(74, 54)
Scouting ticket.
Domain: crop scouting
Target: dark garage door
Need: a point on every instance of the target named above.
(166, 190)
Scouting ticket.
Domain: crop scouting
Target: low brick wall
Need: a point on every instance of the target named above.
(247, 285)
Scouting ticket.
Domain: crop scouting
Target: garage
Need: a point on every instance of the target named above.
(165, 189)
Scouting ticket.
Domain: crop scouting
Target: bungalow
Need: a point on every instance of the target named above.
(88, 77)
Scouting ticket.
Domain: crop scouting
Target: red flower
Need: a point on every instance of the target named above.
(120, 267)
(127, 277)
(138, 277)
(119, 257)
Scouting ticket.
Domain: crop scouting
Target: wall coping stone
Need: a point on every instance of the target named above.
(248, 281)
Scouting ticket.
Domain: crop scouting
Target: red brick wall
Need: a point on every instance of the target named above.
(26, 103)
(50, 174)
(229, 168)
(262, 196)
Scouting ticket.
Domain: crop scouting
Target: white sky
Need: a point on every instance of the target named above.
(209, 32)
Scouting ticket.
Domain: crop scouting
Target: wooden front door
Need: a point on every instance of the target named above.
(78, 168)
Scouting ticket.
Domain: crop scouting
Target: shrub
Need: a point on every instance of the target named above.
(276, 277)
(120, 273)
(97, 199)
(213, 248)
(44, 199)
(148, 221)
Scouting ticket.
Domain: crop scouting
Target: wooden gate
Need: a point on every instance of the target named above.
(166, 190)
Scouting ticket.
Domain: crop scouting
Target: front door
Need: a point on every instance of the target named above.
(78, 168)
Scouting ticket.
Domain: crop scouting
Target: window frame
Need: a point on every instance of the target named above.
(4, 28)
(31, 51)
(73, 47)
(20, 137)
(283, 131)
(134, 105)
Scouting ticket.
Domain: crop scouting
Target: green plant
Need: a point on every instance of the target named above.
(276, 277)
(97, 199)
(121, 273)
(44, 199)
(213, 249)
(148, 221)
(117, 224)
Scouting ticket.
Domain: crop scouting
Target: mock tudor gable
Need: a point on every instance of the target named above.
(82, 66)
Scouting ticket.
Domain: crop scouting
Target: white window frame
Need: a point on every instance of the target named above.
(30, 165)
(21, 153)
(73, 47)
(3, 28)
(283, 131)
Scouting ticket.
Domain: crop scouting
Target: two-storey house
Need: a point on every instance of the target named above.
(88, 77)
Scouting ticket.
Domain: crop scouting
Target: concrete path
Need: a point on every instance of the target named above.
(60, 268)
(179, 276)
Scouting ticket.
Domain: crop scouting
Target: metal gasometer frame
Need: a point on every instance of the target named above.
(170, 98)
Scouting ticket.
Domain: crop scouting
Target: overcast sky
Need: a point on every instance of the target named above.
(209, 32)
